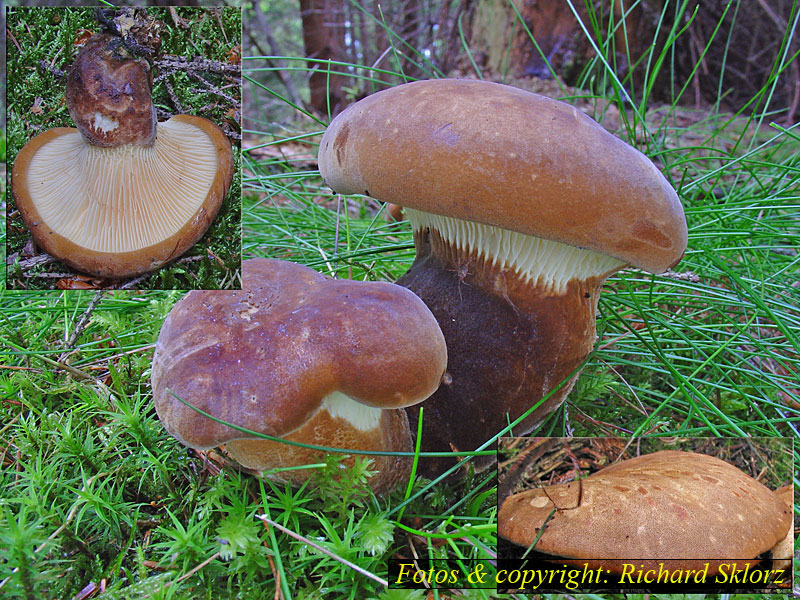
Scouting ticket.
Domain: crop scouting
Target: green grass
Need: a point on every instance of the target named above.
(36, 103)
(93, 491)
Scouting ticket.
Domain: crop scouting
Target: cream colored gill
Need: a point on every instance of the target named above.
(540, 262)
(360, 416)
(126, 198)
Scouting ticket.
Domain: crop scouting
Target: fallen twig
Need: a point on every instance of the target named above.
(305, 540)
(80, 326)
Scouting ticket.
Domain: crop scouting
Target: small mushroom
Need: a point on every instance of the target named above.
(665, 505)
(120, 195)
(299, 356)
(521, 207)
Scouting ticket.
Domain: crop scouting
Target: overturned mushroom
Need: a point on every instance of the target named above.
(299, 356)
(665, 505)
(120, 195)
(521, 207)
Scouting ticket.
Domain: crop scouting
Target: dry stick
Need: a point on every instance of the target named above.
(49, 275)
(217, 12)
(10, 34)
(69, 369)
(345, 562)
(80, 326)
(178, 21)
(79, 374)
(214, 90)
(179, 63)
(193, 571)
(276, 574)
(46, 259)
(173, 97)
(9, 424)
(521, 462)
(135, 281)
(39, 259)
(190, 573)
(5, 450)
(94, 363)
(416, 557)
(71, 515)
(627, 385)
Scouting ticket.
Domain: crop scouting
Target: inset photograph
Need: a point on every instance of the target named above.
(589, 514)
(123, 146)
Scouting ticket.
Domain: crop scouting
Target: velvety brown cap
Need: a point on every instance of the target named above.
(124, 211)
(265, 357)
(498, 155)
(108, 95)
(670, 504)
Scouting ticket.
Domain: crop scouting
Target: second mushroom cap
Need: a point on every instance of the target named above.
(297, 354)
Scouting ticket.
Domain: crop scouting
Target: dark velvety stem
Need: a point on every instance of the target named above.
(508, 345)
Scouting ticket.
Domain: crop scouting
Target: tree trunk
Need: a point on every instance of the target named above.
(504, 46)
(502, 41)
(410, 32)
(323, 37)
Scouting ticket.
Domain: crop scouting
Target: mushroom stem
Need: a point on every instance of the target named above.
(518, 320)
(108, 95)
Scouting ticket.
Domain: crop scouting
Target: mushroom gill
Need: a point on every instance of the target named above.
(123, 198)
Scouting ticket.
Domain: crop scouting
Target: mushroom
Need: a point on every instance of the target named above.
(665, 505)
(521, 207)
(120, 195)
(299, 356)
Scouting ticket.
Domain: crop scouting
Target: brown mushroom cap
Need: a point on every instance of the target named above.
(126, 210)
(293, 346)
(494, 154)
(666, 505)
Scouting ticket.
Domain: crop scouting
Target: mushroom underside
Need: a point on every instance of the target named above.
(125, 198)
(123, 211)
